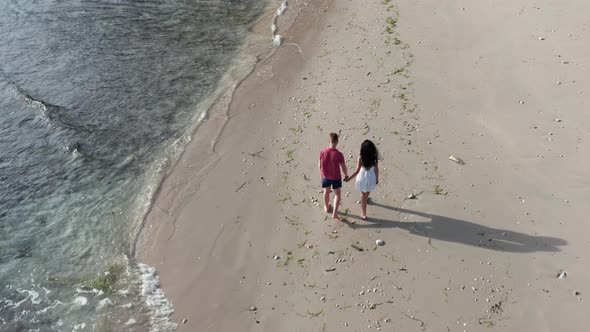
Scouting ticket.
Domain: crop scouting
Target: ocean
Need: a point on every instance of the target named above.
(97, 99)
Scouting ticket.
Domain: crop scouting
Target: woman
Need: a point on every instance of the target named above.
(367, 169)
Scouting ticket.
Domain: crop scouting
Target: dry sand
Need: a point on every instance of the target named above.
(500, 85)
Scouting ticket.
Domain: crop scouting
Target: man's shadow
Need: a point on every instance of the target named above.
(465, 232)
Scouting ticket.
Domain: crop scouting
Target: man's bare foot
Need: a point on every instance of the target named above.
(364, 217)
(336, 217)
(328, 208)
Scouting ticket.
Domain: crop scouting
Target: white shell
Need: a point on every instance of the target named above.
(455, 159)
(380, 242)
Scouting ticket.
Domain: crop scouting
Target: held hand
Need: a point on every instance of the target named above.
(346, 179)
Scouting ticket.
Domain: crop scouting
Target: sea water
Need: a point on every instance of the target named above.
(96, 99)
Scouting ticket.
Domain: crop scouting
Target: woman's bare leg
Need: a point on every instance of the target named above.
(364, 199)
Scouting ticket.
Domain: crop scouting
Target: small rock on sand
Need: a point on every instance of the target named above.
(457, 160)
(356, 247)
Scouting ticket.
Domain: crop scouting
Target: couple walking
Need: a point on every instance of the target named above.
(366, 173)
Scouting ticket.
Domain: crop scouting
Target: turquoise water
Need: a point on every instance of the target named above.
(96, 98)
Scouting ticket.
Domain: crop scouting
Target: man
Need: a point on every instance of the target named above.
(331, 160)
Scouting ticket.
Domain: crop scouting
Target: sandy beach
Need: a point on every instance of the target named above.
(238, 233)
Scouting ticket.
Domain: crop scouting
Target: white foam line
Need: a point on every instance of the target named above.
(156, 300)
(80, 326)
(277, 40)
(55, 304)
(282, 8)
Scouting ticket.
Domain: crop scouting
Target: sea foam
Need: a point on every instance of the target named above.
(80, 301)
(156, 300)
(282, 8)
(277, 40)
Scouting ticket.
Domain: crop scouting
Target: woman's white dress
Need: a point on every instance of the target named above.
(366, 180)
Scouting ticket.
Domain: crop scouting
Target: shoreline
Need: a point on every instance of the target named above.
(217, 105)
(239, 238)
(254, 48)
(215, 101)
(214, 122)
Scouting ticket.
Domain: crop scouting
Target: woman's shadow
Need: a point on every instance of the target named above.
(465, 232)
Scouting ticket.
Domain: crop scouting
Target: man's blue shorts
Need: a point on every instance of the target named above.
(335, 184)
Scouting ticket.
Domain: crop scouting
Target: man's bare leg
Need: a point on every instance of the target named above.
(327, 199)
(336, 204)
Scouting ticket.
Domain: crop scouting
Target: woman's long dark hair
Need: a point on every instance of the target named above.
(369, 154)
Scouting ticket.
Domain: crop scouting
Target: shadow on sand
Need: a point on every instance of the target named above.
(465, 232)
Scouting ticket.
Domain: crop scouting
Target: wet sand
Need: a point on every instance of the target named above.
(238, 232)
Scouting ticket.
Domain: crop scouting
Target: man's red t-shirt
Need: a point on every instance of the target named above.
(330, 160)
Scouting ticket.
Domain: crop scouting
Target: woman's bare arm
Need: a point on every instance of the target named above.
(357, 170)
